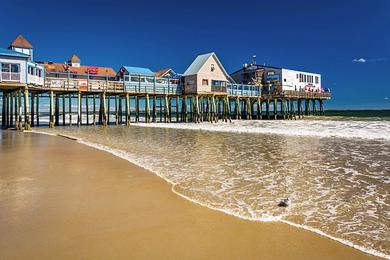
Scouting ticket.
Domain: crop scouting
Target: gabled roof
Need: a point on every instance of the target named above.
(74, 58)
(11, 53)
(138, 70)
(199, 62)
(163, 72)
(63, 68)
(20, 41)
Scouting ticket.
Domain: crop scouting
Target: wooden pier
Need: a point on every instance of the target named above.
(109, 103)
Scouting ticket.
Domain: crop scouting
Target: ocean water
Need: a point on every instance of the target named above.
(336, 170)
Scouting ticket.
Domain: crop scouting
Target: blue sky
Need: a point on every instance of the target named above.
(348, 42)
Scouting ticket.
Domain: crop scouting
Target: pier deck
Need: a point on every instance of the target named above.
(97, 102)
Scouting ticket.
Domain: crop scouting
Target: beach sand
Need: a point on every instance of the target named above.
(61, 199)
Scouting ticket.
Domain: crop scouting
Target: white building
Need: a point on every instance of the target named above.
(279, 78)
(17, 66)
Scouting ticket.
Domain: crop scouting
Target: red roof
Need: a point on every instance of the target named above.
(93, 70)
(20, 41)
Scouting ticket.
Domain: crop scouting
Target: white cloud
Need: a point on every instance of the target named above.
(360, 60)
(364, 60)
(386, 98)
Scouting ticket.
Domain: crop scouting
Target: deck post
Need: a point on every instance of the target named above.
(293, 109)
(31, 109)
(154, 109)
(15, 108)
(6, 109)
(287, 108)
(26, 111)
(147, 109)
(87, 108)
(259, 108)
(136, 104)
(100, 119)
(177, 109)
(275, 108)
(3, 110)
(200, 106)
(63, 109)
(70, 109)
(127, 109)
(37, 109)
(228, 109)
(51, 113)
(191, 106)
(213, 117)
(11, 109)
(120, 110)
(79, 109)
(108, 109)
(56, 111)
(267, 109)
(19, 110)
(299, 108)
(306, 107)
(167, 109)
(94, 110)
(314, 107)
(116, 110)
(322, 107)
(248, 109)
(184, 109)
(197, 112)
(104, 112)
(238, 108)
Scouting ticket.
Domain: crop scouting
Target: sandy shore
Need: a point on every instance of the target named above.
(60, 199)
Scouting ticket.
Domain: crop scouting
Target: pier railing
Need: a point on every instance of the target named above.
(243, 90)
(303, 94)
(112, 86)
(81, 84)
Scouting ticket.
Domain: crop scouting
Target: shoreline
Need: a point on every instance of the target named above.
(122, 155)
(354, 253)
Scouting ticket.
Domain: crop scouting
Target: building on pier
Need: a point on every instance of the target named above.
(206, 75)
(73, 75)
(17, 66)
(276, 79)
(137, 79)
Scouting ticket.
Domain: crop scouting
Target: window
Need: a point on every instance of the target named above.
(212, 67)
(5, 67)
(150, 80)
(134, 79)
(297, 76)
(9, 67)
(215, 83)
(304, 78)
(205, 82)
(39, 73)
(15, 68)
(317, 80)
(285, 80)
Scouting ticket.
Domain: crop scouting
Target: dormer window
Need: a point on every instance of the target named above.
(212, 67)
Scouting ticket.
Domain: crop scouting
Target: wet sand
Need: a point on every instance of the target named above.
(60, 199)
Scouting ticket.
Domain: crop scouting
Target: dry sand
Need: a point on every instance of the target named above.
(61, 199)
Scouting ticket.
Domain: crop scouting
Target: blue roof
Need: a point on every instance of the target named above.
(138, 70)
(8, 52)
